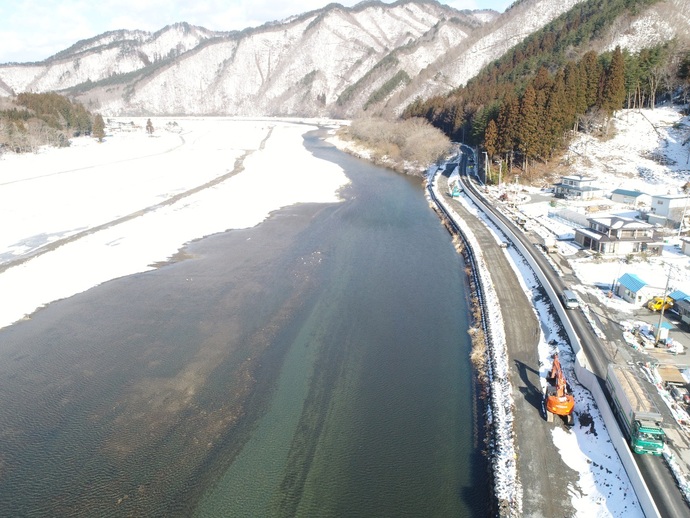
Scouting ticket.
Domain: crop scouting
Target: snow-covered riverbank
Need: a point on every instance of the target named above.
(94, 212)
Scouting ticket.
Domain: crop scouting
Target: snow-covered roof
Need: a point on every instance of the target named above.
(590, 233)
(632, 282)
(578, 178)
(617, 222)
(581, 188)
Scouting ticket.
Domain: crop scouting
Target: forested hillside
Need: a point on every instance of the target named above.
(522, 107)
(33, 120)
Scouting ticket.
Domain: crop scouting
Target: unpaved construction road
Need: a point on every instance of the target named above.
(544, 476)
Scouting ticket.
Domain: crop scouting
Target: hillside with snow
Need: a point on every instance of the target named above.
(334, 61)
(647, 151)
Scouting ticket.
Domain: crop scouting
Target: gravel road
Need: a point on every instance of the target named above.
(545, 478)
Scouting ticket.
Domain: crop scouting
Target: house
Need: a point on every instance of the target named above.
(633, 289)
(579, 187)
(618, 235)
(631, 198)
(668, 209)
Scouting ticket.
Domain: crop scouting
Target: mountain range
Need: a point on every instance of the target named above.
(335, 61)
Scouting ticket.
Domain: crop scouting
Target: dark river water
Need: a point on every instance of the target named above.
(315, 365)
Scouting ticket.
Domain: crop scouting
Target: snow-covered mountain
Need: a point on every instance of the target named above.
(334, 61)
(112, 54)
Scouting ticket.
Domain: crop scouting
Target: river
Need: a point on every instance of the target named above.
(315, 365)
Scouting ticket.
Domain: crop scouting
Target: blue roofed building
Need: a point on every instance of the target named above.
(678, 295)
(633, 289)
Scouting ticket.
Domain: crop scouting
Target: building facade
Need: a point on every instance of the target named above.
(668, 209)
(577, 187)
(633, 289)
(631, 198)
(618, 235)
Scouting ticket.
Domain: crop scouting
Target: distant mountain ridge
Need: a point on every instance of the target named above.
(334, 61)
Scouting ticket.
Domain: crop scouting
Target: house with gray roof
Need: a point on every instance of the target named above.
(618, 235)
(633, 289)
(631, 198)
(578, 187)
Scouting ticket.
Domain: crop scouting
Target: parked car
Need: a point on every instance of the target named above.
(657, 303)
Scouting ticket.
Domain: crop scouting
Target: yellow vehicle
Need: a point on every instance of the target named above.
(660, 302)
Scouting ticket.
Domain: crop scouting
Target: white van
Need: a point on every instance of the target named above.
(570, 299)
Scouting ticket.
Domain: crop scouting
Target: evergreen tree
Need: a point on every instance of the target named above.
(491, 139)
(508, 124)
(99, 128)
(574, 95)
(613, 95)
(149, 127)
(590, 72)
(557, 118)
(528, 136)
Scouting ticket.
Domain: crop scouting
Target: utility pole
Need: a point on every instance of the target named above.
(663, 305)
(487, 170)
(500, 169)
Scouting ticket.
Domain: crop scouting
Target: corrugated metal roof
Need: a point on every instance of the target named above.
(632, 282)
(678, 295)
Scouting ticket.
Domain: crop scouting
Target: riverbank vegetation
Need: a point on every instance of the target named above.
(407, 146)
(30, 121)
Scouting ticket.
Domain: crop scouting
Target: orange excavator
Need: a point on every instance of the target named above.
(558, 397)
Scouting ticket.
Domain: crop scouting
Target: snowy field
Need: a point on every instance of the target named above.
(79, 216)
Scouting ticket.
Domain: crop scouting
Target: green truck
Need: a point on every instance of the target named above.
(639, 418)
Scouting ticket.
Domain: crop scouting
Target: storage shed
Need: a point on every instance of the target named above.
(633, 289)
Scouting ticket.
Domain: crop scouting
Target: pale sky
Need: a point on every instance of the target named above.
(33, 30)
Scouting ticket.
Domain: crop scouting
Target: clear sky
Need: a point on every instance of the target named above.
(33, 30)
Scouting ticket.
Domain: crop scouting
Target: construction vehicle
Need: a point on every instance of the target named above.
(639, 417)
(659, 303)
(558, 396)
